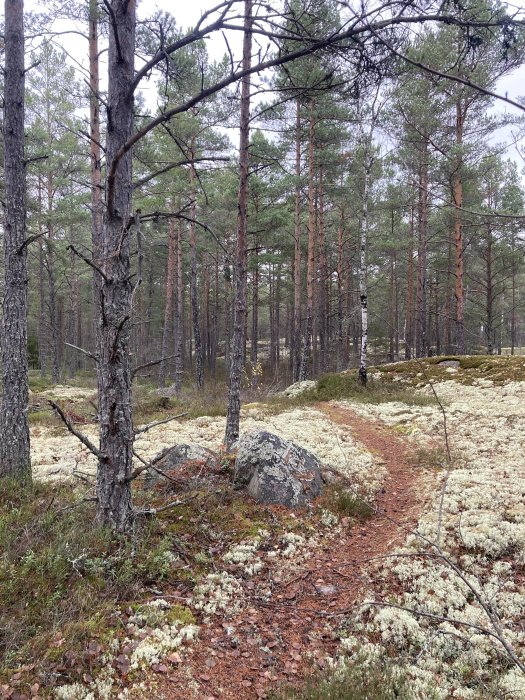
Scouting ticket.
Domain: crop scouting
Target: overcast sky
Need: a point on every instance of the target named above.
(188, 13)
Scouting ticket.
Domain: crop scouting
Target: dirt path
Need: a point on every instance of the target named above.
(279, 642)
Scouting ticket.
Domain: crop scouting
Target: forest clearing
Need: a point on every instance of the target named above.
(227, 598)
(262, 350)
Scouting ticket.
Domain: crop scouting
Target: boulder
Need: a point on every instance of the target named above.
(450, 363)
(180, 455)
(277, 471)
(299, 388)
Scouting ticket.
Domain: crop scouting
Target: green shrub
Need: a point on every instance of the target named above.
(359, 681)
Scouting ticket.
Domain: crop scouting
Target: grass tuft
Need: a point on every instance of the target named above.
(358, 681)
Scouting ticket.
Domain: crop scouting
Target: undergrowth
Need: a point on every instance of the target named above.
(358, 681)
(68, 586)
(345, 386)
(62, 575)
(498, 369)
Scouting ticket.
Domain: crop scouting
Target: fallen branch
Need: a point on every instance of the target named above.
(84, 352)
(150, 364)
(149, 426)
(151, 464)
(83, 438)
(154, 511)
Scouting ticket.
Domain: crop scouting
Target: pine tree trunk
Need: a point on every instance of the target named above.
(114, 504)
(489, 294)
(340, 295)
(42, 301)
(97, 207)
(296, 335)
(254, 350)
(167, 328)
(51, 279)
(448, 302)
(310, 273)
(14, 427)
(421, 296)
(457, 194)
(239, 324)
(194, 297)
(322, 313)
(179, 314)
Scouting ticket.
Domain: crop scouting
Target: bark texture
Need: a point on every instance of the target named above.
(14, 426)
(363, 288)
(114, 506)
(239, 323)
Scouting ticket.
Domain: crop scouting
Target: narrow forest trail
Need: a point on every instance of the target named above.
(281, 641)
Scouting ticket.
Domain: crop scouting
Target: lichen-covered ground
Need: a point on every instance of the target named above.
(445, 600)
(476, 592)
(56, 454)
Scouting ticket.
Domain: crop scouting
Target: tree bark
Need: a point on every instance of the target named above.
(14, 426)
(322, 299)
(179, 314)
(457, 195)
(194, 298)
(97, 206)
(296, 341)
(167, 328)
(363, 290)
(340, 294)
(114, 504)
(409, 330)
(239, 324)
(310, 273)
(421, 296)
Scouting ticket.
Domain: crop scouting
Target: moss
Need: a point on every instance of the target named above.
(180, 613)
(429, 458)
(499, 369)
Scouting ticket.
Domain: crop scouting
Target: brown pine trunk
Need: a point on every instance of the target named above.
(340, 294)
(42, 301)
(322, 299)
(51, 279)
(206, 314)
(179, 313)
(296, 336)
(167, 328)
(237, 361)
(194, 297)
(448, 303)
(489, 294)
(254, 351)
(310, 273)
(513, 310)
(14, 427)
(421, 296)
(457, 195)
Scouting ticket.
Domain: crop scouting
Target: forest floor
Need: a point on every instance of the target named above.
(416, 557)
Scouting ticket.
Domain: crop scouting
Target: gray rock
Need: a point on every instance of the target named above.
(449, 363)
(181, 454)
(277, 471)
(299, 388)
